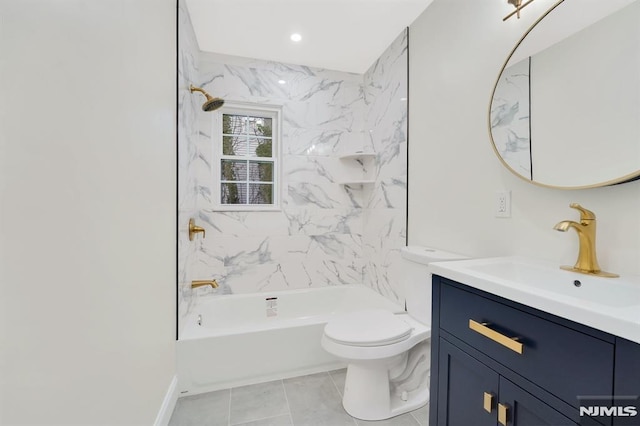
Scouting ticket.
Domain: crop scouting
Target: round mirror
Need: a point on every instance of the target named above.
(565, 110)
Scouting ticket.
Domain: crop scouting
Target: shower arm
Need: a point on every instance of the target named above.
(193, 88)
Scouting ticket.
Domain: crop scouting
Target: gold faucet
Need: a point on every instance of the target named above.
(587, 262)
(202, 283)
(193, 230)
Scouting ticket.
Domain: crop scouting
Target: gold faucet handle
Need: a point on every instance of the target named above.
(584, 213)
(193, 230)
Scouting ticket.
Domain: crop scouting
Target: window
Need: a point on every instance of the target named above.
(247, 158)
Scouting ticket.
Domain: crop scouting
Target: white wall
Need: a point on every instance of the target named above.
(88, 207)
(456, 51)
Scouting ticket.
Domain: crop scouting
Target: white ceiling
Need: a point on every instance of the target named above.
(344, 35)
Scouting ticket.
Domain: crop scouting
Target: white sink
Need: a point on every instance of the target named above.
(607, 291)
(608, 304)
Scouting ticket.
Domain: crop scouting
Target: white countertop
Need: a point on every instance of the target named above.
(608, 304)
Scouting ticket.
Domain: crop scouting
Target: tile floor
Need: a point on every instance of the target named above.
(314, 400)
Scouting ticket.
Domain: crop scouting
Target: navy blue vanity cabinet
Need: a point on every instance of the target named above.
(464, 382)
(470, 392)
(523, 409)
(497, 362)
(627, 377)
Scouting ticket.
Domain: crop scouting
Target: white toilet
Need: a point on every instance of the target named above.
(389, 354)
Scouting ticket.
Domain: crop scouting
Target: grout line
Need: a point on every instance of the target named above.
(335, 385)
(413, 414)
(355, 421)
(286, 398)
(263, 418)
(288, 412)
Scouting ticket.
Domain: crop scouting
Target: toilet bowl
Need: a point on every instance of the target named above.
(388, 354)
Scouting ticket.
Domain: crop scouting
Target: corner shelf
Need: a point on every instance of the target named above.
(358, 156)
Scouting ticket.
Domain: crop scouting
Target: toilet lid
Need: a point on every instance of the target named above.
(368, 328)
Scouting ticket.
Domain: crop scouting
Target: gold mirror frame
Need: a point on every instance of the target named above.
(624, 179)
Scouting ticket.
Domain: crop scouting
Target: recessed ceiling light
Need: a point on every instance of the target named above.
(281, 81)
(296, 37)
(403, 99)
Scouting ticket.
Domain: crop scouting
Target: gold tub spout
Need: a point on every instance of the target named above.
(202, 283)
(587, 262)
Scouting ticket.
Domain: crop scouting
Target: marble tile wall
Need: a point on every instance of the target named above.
(325, 233)
(316, 238)
(188, 125)
(385, 224)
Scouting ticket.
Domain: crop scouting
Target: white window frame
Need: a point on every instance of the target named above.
(261, 110)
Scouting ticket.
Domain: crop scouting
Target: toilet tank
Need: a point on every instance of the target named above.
(417, 278)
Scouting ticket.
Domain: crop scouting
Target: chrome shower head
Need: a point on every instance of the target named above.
(211, 104)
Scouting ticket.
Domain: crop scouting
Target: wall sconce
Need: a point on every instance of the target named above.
(519, 6)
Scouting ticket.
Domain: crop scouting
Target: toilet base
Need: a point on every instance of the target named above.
(370, 394)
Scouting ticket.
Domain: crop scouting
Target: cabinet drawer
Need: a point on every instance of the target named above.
(549, 354)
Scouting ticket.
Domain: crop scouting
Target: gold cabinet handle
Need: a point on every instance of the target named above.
(488, 402)
(509, 342)
(502, 414)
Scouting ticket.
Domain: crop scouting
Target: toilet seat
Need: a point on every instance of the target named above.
(368, 328)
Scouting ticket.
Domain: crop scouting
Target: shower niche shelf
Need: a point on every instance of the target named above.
(365, 159)
(357, 183)
(358, 156)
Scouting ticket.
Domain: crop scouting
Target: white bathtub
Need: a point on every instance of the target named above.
(236, 340)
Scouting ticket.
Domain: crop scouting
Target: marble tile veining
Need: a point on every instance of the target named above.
(320, 235)
(385, 85)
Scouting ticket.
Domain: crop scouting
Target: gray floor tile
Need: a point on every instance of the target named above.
(256, 402)
(422, 415)
(315, 401)
(339, 377)
(402, 420)
(312, 400)
(271, 421)
(207, 409)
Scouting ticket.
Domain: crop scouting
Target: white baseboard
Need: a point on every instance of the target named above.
(168, 404)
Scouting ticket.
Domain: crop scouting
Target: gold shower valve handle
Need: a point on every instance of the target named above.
(193, 230)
